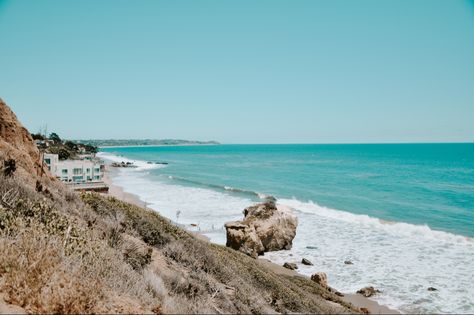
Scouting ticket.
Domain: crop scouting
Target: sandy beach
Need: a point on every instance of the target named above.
(356, 299)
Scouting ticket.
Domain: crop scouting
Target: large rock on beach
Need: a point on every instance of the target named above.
(266, 227)
(368, 291)
(306, 262)
(291, 266)
(320, 278)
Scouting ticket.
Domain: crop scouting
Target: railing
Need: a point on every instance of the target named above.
(94, 186)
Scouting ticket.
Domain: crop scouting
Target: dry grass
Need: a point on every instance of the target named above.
(37, 275)
(52, 262)
(65, 254)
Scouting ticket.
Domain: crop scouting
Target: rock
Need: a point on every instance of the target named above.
(320, 278)
(368, 291)
(332, 290)
(311, 247)
(348, 262)
(243, 238)
(432, 289)
(266, 227)
(339, 294)
(291, 266)
(306, 262)
(364, 310)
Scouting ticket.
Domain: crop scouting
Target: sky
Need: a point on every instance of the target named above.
(242, 71)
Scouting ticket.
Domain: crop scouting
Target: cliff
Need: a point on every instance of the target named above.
(16, 143)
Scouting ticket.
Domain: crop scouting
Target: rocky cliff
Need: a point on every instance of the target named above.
(16, 143)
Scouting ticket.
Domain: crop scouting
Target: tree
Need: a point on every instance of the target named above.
(54, 136)
(37, 136)
(64, 154)
(71, 145)
(91, 149)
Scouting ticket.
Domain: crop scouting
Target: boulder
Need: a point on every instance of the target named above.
(244, 238)
(432, 289)
(320, 278)
(306, 262)
(291, 266)
(368, 291)
(348, 262)
(265, 227)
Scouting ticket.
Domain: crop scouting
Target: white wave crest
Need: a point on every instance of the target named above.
(397, 228)
(140, 165)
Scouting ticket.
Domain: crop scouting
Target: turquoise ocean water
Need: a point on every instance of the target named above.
(393, 209)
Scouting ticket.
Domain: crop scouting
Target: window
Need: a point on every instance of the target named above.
(88, 170)
(77, 171)
(97, 170)
(78, 178)
(47, 161)
(64, 172)
(96, 177)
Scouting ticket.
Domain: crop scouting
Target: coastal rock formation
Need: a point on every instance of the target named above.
(368, 291)
(320, 278)
(266, 227)
(348, 262)
(306, 262)
(17, 144)
(291, 266)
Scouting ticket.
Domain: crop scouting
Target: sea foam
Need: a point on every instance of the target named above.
(139, 165)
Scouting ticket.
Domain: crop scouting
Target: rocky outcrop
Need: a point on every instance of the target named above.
(320, 278)
(266, 227)
(291, 266)
(16, 144)
(368, 291)
(306, 262)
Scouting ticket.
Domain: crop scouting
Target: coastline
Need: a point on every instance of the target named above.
(356, 299)
(157, 145)
(118, 192)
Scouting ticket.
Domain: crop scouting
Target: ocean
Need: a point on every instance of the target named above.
(402, 213)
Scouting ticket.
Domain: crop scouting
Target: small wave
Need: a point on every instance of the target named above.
(140, 165)
(251, 193)
(397, 228)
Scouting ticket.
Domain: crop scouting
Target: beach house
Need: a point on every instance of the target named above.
(84, 173)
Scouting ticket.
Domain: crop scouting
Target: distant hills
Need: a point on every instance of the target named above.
(140, 142)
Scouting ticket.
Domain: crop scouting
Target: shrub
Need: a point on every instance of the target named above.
(9, 167)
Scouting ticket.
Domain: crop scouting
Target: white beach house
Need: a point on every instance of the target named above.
(87, 169)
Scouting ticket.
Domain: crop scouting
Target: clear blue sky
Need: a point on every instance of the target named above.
(242, 71)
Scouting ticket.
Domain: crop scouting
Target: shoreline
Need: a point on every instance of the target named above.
(356, 299)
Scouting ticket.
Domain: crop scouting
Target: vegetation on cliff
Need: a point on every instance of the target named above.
(65, 149)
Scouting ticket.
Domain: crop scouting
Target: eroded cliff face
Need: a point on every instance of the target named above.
(16, 143)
